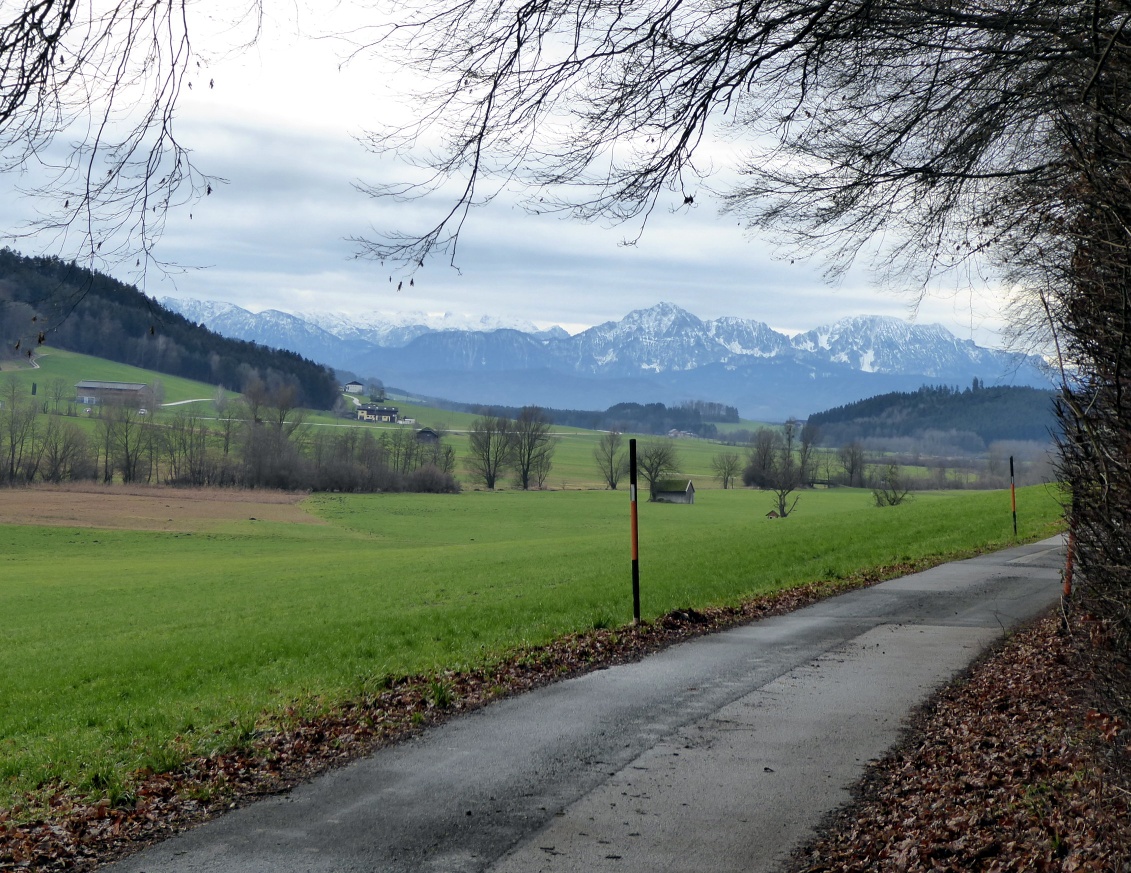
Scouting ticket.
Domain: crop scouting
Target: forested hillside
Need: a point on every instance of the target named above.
(47, 300)
(999, 413)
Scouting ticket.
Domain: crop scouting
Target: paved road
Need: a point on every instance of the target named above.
(720, 754)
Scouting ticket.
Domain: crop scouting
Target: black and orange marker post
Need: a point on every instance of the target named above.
(1013, 495)
(635, 533)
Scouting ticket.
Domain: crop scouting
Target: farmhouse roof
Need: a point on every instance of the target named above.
(675, 485)
(111, 386)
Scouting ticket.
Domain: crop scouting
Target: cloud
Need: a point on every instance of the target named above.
(279, 126)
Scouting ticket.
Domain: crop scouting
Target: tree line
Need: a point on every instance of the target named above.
(258, 440)
(692, 416)
(522, 446)
(986, 414)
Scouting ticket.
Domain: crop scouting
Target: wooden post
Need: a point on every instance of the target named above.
(1013, 495)
(1069, 561)
(1070, 558)
(635, 533)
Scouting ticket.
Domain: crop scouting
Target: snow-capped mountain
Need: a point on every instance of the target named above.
(663, 353)
(656, 340)
(881, 344)
(280, 330)
(401, 328)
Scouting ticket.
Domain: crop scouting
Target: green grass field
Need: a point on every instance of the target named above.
(573, 466)
(121, 650)
(73, 367)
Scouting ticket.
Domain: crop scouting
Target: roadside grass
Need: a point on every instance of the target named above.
(126, 651)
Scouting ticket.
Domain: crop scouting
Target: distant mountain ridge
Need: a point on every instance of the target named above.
(660, 354)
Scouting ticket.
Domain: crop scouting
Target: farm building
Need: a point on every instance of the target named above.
(427, 436)
(91, 392)
(675, 491)
(353, 387)
(369, 412)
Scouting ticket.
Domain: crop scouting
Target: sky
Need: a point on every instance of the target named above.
(280, 126)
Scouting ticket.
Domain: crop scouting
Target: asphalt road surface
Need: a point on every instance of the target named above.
(720, 754)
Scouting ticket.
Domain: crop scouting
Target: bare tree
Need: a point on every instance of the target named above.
(255, 398)
(532, 447)
(541, 469)
(402, 447)
(89, 92)
(229, 411)
(129, 437)
(283, 410)
(657, 459)
(891, 488)
(438, 455)
(489, 448)
(725, 466)
(785, 476)
(63, 445)
(184, 439)
(611, 457)
(597, 108)
(852, 460)
(57, 390)
(760, 457)
(17, 426)
(810, 433)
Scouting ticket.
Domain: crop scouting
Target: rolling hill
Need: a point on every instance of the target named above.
(49, 301)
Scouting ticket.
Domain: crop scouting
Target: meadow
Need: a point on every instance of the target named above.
(129, 649)
(72, 367)
(573, 463)
(574, 466)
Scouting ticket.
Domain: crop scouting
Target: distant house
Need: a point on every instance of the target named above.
(427, 436)
(90, 393)
(353, 387)
(369, 412)
(675, 491)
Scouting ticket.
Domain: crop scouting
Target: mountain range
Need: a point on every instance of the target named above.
(661, 354)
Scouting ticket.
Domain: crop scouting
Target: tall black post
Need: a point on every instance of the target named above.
(1013, 495)
(635, 533)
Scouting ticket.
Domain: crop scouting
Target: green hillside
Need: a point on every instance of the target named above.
(72, 367)
(49, 301)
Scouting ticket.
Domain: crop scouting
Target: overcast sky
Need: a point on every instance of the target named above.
(279, 126)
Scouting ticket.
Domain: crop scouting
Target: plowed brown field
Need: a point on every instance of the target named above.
(148, 507)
